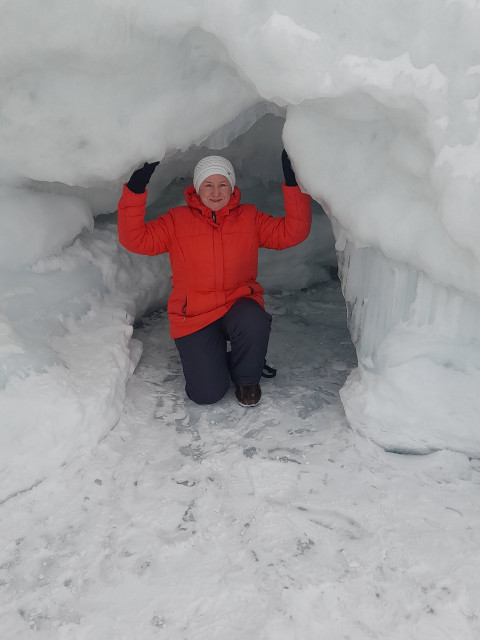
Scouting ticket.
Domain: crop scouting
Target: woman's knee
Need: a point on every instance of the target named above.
(248, 314)
(206, 395)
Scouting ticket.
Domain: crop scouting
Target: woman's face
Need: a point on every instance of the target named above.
(215, 192)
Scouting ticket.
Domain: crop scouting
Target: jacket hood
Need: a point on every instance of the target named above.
(193, 200)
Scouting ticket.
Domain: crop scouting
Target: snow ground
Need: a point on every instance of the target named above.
(280, 522)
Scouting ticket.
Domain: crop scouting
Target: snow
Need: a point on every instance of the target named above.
(68, 215)
(275, 522)
(380, 120)
(345, 538)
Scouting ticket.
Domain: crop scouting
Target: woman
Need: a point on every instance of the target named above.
(213, 247)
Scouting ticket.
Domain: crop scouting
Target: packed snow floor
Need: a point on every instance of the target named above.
(224, 523)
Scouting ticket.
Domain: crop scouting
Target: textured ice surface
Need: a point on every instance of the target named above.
(415, 339)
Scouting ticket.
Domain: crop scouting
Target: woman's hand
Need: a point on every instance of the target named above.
(140, 177)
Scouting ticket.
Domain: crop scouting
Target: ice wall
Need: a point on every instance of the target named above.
(381, 105)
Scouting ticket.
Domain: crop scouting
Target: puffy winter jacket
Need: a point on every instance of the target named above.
(214, 261)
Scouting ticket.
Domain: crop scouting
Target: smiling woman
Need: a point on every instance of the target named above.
(213, 247)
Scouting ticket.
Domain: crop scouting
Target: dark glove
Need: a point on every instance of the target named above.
(140, 177)
(288, 172)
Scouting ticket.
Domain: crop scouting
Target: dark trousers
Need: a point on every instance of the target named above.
(207, 366)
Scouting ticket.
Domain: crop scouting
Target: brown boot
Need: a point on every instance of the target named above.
(248, 396)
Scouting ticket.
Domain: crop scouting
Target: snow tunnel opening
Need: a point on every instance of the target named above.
(255, 153)
(255, 149)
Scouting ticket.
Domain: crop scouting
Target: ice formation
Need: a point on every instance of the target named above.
(381, 120)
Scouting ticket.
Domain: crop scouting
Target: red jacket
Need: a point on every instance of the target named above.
(213, 263)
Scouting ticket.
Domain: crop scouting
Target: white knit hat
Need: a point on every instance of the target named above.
(210, 166)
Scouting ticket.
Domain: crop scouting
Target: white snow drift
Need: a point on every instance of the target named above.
(380, 106)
